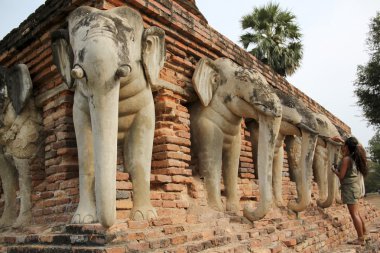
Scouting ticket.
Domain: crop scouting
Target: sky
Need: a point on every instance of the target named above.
(334, 35)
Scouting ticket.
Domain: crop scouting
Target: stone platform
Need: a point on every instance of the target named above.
(203, 230)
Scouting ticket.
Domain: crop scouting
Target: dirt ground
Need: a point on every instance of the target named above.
(374, 199)
(372, 246)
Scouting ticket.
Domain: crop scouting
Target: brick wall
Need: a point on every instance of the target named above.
(175, 185)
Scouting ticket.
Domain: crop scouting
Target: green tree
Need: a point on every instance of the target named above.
(275, 37)
(368, 76)
(372, 181)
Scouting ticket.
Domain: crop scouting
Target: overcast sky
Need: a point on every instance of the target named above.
(334, 34)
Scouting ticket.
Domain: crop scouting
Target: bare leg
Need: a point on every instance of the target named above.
(358, 224)
(365, 232)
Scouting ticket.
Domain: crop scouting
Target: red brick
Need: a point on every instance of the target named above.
(169, 196)
(155, 195)
(138, 224)
(124, 204)
(162, 221)
(136, 236)
(174, 187)
(182, 204)
(138, 246)
(122, 176)
(164, 131)
(163, 179)
(165, 147)
(156, 203)
(179, 239)
(172, 171)
(115, 249)
(168, 204)
(182, 179)
(122, 185)
(169, 163)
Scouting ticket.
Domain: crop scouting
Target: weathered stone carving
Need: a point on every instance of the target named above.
(113, 62)
(228, 92)
(327, 152)
(299, 129)
(20, 140)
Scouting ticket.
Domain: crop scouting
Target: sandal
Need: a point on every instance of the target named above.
(360, 242)
(366, 236)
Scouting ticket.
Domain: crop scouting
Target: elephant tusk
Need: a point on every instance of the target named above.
(77, 72)
(123, 71)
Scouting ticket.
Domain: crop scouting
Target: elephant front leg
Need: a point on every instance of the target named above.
(138, 147)
(9, 184)
(230, 168)
(25, 183)
(277, 170)
(210, 162)
(86, 211)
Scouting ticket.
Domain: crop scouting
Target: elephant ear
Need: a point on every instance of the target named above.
(3, 84)
(153, 53)
(63, 56)
(205, 80)
(19, 86)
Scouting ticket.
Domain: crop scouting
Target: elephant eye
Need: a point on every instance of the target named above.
(215, 79)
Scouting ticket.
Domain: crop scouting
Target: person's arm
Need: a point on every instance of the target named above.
(343, 168)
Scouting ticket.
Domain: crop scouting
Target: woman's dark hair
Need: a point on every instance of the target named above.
(358, 154)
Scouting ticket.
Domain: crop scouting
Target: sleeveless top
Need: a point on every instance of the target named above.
(352, 175)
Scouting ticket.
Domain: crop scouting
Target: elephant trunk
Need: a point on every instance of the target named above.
(302, 168)
(268, 130)
(320, 170)
(331, 178)
(104, 117)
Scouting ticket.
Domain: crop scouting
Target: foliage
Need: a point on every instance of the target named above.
(372, 181)
(275, 36)
(368, 76)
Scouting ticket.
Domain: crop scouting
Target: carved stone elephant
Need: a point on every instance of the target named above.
(227, 93)
(114, 62)
(20, 140)
(299, 131)
(327, 153)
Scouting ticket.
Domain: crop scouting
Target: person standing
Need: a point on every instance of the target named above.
(353, 163)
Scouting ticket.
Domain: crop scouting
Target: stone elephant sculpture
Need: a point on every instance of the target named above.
(227, 93)
(20, 141)
(114, 62)
(327, 153)
(299, 131)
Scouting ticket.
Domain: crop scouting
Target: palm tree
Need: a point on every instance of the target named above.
(275, 38)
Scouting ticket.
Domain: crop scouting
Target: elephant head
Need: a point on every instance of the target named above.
(327, 153)
(228, 93)
(110, 58)
(299, 130)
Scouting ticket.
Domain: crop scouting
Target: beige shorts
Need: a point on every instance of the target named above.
(350, 194)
